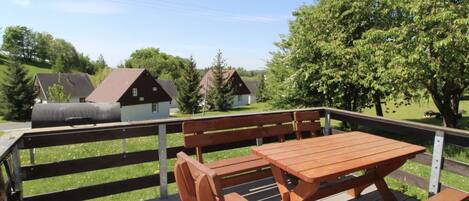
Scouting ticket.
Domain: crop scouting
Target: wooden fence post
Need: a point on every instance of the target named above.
(16, 167)
(437, 163)
(163, 161)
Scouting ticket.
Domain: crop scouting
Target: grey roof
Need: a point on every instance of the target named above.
(76, 84)
(169, 87)
(252, 85)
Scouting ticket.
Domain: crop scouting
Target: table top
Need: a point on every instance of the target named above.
(325, 158)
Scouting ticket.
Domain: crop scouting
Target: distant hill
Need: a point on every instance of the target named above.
(32, 68)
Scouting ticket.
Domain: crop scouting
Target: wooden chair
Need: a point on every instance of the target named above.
(450, 194)
(197, 182)
(307, 122)
(225, 131)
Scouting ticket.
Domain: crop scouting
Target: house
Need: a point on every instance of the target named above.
(170, 88)
(240, 90)
(141, 97)
(253, 86)
(77, 85)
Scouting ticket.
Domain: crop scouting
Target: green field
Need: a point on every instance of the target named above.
(32, 69)
(59, 153)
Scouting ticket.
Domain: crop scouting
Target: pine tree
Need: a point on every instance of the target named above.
(220, 92)
(18, 93)
(188, 89)
(261, 95)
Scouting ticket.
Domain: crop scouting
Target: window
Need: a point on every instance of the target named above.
(154, 107)
(141, 99)
(82, 99)
(134, 92)
(155, 88)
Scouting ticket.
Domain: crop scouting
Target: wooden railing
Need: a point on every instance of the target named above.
(48, 137)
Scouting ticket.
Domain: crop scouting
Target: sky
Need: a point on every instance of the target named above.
(245, 30)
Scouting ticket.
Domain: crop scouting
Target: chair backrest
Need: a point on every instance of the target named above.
(195, 181)
(307, 121)
(200, 133)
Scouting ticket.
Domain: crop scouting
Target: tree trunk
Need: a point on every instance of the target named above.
(377, 102)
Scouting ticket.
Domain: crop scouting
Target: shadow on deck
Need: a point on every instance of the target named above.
(266, 190)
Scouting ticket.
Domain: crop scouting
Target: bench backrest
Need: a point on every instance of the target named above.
(200, 133)
(195, 181)
(307, 121)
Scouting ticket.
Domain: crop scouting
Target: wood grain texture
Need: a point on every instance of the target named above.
(450, 194)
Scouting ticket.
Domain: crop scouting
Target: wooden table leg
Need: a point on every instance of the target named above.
(383, 189)
(303, 191)
(281, 182)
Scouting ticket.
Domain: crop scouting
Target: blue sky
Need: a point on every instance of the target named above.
(244, 30)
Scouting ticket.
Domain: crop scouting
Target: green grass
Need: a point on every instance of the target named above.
(32, 68)
(60, 153)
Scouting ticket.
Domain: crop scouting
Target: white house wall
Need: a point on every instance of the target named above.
(252, 99)
(143, 112)
(240, 100)
(173, 103)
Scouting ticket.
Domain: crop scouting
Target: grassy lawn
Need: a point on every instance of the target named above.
(59, 153)
(32, 68)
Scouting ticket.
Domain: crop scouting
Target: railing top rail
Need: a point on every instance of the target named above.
(7, 141)
(403, 123)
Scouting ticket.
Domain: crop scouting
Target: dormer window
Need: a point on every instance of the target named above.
(155, 88)
(134, 92)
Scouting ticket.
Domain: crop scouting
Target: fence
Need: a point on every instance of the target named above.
(48, 137)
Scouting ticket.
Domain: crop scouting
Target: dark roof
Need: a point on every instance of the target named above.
(76, 84)
(119, 82)
(232, 75)
(253, 85)
(169, 87)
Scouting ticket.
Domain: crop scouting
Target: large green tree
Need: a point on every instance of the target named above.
(19, 42)
(159, 64)
(18, 93)
(43, 46)
(261, 95)
(65, 56)
(188, 89)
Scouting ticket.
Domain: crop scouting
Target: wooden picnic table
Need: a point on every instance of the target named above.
(319, 162)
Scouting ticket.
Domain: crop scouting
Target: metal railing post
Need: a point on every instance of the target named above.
(259, 140)
(327, 123)
(163, 161)
(437, 162)
(16, 167)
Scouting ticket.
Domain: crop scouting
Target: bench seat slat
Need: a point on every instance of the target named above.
(241, 167)
(232, 161)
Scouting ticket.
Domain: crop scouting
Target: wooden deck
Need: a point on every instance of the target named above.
(266, 190)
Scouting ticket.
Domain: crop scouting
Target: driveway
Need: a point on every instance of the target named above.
(14, 125)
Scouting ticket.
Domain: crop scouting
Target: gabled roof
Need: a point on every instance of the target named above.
(230, 74)
(115, 85)
(169, 87)
(253, 85)
(76, 84)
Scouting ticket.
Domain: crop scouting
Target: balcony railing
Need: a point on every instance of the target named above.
(12, 143)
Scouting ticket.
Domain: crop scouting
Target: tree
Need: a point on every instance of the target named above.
(261, 95)
(85, 64)
(18, 93)
(433, 51)
(100, 75)
(188, 89)
(65, 57)
(220, 92)
(57, 94)
(100, 63)
(159, 64)
(43, 46)
(19, 42)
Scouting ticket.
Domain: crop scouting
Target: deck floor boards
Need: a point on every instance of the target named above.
(266, 190)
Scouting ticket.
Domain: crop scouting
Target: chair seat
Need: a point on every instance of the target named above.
(234, 197)
(450, 194)
(238, 165)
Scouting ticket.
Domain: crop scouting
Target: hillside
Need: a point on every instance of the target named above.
(32, 68)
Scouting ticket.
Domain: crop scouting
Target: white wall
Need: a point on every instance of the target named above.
(143, 112)
(243, 100)
(174, 103)
(252, 99)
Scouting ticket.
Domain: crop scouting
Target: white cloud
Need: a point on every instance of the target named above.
(22, 3)
(89, 7)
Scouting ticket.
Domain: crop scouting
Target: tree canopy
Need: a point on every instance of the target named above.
(57, 94)
(159, 64)
(188, 89)
(220, 92)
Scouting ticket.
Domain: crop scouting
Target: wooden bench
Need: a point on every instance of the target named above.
(307, 122)
(450, 194)
(197, 182)
(202, 133)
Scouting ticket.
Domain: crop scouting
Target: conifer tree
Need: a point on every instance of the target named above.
(220, 92)
(188, 89)
(18, 93)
